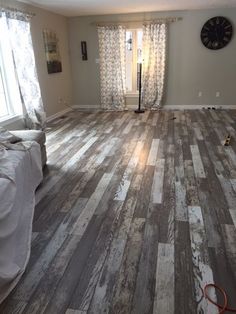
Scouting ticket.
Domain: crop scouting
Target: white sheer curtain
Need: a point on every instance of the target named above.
(112, 66)
(154, 64)
(17, 27)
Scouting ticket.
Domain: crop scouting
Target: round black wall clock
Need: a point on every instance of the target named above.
(216, 33)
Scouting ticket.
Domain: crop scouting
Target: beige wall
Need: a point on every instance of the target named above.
(53, 86)
(191, 67)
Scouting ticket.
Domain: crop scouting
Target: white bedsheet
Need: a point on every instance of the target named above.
(20, 174)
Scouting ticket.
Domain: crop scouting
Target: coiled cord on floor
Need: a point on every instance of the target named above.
(222, 308)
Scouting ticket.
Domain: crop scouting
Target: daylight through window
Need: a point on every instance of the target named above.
(133, 56)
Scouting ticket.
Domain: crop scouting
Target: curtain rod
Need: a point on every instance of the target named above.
(5, 8)
(158, 20)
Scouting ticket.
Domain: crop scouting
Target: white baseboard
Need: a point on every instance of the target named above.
(167, 107)
(58, 114)
(98, 108)
(86, 108)
(132, 107)
(194, 107)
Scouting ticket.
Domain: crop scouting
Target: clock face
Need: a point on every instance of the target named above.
(216, 33)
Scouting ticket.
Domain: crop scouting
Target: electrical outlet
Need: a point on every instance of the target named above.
(199, 94)
(217, 94)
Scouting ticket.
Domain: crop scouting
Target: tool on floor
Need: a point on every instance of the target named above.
(222, 308)
(227, 140)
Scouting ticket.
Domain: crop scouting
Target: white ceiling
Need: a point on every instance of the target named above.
(97, 7)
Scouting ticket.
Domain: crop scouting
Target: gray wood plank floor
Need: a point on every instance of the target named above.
(136, 214)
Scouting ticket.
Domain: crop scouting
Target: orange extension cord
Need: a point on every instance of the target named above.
(224, 308)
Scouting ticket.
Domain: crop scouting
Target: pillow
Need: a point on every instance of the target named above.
(7, 137)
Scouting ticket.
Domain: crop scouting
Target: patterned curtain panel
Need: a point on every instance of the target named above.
(112, 66)
(154, 64)
(18, 31)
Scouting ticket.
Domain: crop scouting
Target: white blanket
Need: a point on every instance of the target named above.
(20, 174)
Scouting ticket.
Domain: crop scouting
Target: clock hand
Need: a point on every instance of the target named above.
(217, 36)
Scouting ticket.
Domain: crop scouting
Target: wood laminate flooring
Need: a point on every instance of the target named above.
(136, 214)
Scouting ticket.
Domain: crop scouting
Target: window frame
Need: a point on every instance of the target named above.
(10, 86)
(4, 92)
(134, 92)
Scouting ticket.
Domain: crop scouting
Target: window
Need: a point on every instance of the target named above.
(10, 101)
(3, 108)
(133, 56)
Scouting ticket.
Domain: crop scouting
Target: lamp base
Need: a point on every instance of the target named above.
(139, 111)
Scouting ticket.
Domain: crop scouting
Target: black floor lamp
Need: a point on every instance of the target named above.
(139, 110)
